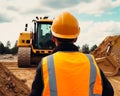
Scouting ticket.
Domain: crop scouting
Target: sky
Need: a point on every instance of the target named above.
(97, 18)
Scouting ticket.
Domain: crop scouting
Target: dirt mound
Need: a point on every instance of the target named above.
(108, 55)
(109, 44)
(11, 85)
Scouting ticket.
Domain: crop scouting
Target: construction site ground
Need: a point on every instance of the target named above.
(26, 75)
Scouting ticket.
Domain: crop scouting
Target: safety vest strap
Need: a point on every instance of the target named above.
(93, 74)
(52, 78)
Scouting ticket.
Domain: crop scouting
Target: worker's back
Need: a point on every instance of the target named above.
(72, 74)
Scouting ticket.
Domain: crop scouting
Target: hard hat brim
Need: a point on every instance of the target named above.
(65, 36)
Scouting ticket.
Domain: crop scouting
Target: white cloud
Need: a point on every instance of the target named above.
(95, 32)
(13, 9)
(97, 7)
(10, 32)
(60, 4)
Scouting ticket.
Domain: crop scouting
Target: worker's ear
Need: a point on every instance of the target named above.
(53, 38)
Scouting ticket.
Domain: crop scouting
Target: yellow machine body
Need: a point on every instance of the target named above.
(32, 46)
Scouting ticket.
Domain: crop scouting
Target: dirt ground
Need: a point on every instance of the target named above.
(10, 85)
(115, 81)
(26, 75)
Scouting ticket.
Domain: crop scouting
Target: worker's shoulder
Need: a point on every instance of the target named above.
(61, 53)
(85, 54)
(48, 56)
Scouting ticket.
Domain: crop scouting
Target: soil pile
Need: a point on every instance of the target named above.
(11, 85)
(108, 55)
(111, 44)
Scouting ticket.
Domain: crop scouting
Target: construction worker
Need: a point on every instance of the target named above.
(68, 72)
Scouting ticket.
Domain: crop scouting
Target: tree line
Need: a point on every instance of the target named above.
(8, 50)
(86, 49)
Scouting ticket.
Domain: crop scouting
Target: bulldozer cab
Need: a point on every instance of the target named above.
(33, 46)
(42, 35)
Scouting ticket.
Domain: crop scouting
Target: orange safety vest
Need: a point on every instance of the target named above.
(71, 74)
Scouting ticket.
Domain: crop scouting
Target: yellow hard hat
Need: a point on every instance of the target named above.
(65, 26)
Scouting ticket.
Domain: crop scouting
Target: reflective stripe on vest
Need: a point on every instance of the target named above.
(92, 75)
(52, 78)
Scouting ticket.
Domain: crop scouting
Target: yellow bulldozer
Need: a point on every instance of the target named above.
(32, 46)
